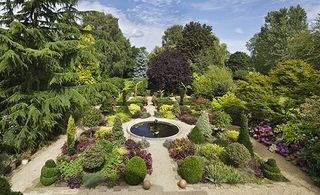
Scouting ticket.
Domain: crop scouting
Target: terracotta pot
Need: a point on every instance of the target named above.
(182, 184)
(146, 185)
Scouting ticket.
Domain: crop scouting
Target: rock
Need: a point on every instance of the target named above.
(182, 184)
(146, 185)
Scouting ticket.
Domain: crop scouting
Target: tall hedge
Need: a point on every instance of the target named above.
(244, 137)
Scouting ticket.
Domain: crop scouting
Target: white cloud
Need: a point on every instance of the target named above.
(219, 4)
(239, 31)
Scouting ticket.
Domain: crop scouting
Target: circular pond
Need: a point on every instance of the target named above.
(154, 129)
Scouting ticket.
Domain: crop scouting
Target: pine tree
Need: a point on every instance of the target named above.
(203, 124)
(140, 69)
(196, 136)
(117, 131)
(244, 137)
(71, 134)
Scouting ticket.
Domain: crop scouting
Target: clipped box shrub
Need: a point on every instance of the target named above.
(220, 173)
(191, 169)
(237, 154)
(196, 136)
(136, 171)
(93, 157)
(271, 170)
(49, 173)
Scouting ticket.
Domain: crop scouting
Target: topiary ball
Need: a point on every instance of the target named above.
(4, 186)
(191, 170)
(136, 171)
(237, 154)
(50, 163)
(93, 157)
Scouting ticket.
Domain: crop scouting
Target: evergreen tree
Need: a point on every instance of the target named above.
(196, 136)
(244, 137)
(140, 69)
(71, 135)
(203, 124)
(117, 131)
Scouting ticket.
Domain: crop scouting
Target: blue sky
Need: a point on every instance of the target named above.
(233, 21)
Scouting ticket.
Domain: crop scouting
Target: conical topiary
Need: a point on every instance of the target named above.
(71, 134)
(196, 136)
(49, 173)
(203, 124)
(271, 170)
(244, 137)
(117, 131)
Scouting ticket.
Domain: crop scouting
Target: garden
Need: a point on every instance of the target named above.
(87, 82)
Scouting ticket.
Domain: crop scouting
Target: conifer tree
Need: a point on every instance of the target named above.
(244, 137)
(117, 131)
(71, 134)
(203, 124)
(140, 69)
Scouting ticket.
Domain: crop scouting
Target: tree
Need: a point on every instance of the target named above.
(244, 137)
(270, 45)
(195, 38)
(172, 36)
(239, 61)
(203, 124)
(116, 55)
(71, 135)
(168, 70)
(140, 69)
(216, 82)
(117, 131)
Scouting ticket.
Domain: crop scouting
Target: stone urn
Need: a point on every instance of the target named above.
(182, 184)
(146, 185)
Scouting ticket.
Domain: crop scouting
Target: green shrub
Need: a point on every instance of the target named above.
(71, 134)
(221, 142)
(117, 132)
(196, 136)
(221, 119)
(123, 116)
(136, 171)
(191, 170)
(244, 137)
(102, 132)
(133, 108)
(271, 170)
(71, 169)
(4, 186)
(93, 157)
(176, 109)
(106, 145)
(203, 124)
(93, 180)
(237, 154)
(229, 135)
(212, 152)
(219, 173)
(91, 117)
(49, 173)
(107, 105)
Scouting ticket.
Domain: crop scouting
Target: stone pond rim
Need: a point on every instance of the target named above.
(160, 121)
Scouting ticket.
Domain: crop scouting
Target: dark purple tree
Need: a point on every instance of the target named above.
(168, 70)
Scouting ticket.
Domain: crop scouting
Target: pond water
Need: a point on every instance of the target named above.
(153, 129)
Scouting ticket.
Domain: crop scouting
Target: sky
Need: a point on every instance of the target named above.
(233, 21)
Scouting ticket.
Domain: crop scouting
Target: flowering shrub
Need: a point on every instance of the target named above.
(181, 148)
(263, 133)
(187, 118)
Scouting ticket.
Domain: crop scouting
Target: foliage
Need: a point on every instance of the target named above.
(70, 169)
(91, 117)
(123, 117)
(244, 137)
(271, 170)
(71, 135)
(311, 109)
(203, 124)
(102, 133)
(221, 119)
(172, 36)
(133, 108)
(196, 136)
(216, 82)
(93, 180)
(5, 187)
(143, 143)
(117, 132)
(166, 111)
(237, 154)
(239, 61)
(161, 101)
(107, 105)
(294, 132)
(181, 148)
(219, 173)
(144, 155)
(168, 70)
(140, 69)
(269, 46)
(93, 157)
(191, 170)
(167, 143)
(136, 171)
(187, 118)
(229, 135)
(49, 173)
(75, 182)
(212, 152)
